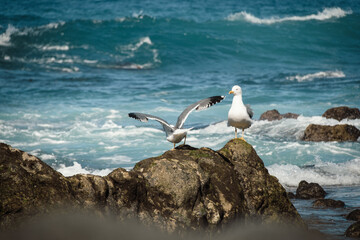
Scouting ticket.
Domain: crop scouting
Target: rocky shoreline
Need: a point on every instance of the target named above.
(183, 189)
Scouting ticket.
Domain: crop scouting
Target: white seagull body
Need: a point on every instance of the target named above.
(240, 115)
(176, 133)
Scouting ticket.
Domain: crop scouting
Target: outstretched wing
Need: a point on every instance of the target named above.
(249, 110)
(200, 105)
(145, 117)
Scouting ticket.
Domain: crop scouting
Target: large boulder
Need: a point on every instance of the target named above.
(340, 133)
(354, 215)
(353, 231)
(328, 203)
(28, 186)
(274, 114)
(340, 113)
(186, 188)
(307, 190)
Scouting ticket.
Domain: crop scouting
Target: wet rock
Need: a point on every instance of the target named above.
(354, 215)
(342, 132)
(340, 113)
(274, 114)
(186, 188)
(328, 203)
(307, 190)
(354, 230)
(290, 195)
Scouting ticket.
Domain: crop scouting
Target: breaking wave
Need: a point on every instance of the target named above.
(312, 76)
(326, 14)
(324, 173)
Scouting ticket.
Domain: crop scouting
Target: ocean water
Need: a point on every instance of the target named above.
(71, 71)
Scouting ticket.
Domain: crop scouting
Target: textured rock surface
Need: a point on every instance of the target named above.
(274, 114)
(354, 215)
(353, 230)
(340, 113)
(186, 188)
(307, 190)
(328, 203)
(28, 186)
(341, 132)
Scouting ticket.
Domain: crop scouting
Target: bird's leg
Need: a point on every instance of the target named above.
(235, 132)
(174, 147)
(242, 137)
(185, 140)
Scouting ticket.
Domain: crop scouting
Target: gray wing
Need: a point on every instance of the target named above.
(249, 110)
(145, 117)
(200, 105)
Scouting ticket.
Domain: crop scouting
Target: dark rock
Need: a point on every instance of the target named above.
(340, 113)
(274, 114)
(354, 230)
(342, 132)
(28, 186)
(265, 196)
(290, 195)
(354, 215)
(328, 203)
(186, 188)
(307, 190)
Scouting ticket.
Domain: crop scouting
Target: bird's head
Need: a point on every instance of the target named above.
(236, 90)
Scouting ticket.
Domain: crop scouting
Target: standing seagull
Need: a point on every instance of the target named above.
(240, 115)
(175, 133)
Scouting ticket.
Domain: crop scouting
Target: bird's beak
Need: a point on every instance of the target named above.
(231, 92)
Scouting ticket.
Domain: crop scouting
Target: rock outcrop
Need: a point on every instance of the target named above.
(307, 190)
(354, 215)
(353, 231)
(340, 113)
(340, 133)
(186, 188)
(274, 114)
(328, 203)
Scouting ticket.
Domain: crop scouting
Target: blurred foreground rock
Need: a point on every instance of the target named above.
(186, 188)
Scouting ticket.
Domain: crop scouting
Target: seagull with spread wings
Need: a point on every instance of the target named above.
(176, 133)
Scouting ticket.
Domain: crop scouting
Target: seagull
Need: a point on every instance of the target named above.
(176, 133)
(240, 115)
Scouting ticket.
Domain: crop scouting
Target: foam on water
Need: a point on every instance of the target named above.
(76, 168)
(324, 173)
(6, 36)
(326, 14)
(318, 75)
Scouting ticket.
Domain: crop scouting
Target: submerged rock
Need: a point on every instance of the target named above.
(354, 230)
(342, 132)
(274, 114)
(307, 190)
(186, 188)
(328, 203)
(354, 215)
(340, 113)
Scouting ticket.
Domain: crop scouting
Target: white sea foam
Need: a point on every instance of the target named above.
(76, 168)
(55, 47)
(6, 36)
(324, 173)
(326, 14)
(312, 76)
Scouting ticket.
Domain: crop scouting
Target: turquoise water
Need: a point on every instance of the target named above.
(70, 71)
